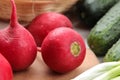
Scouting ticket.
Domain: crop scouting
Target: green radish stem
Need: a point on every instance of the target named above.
(97, 71)
(109, 74)
(13, 20)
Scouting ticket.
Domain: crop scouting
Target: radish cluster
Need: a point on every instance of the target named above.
(62, 48)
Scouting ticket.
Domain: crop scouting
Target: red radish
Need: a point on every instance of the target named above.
(5, 69)
(17, 44)
(63, 49)
(44, 23)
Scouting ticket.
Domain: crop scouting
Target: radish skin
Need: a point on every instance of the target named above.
(17, 45)
(63, 50)
(13, 20)
(5, 69)
(46, 22)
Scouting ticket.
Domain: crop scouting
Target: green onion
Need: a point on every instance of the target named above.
(104, 70)
(109, 74)
(117, 78)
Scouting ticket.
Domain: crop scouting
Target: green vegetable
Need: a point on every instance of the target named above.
(103, 71)
(95, 9)
(110, 74)
(117, 78)
(106, 32)
(113, 53)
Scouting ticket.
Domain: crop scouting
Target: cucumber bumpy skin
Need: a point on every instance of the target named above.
(106, 32)
(113, 53)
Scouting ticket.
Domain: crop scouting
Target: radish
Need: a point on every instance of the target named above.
(5, 69)
(17, 44)
(63, 49)
(44, 23)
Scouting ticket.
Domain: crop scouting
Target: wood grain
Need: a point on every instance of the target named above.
(39, 70)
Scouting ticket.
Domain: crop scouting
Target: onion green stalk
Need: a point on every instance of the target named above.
(117, 78)
(101, 71)
(110, 74)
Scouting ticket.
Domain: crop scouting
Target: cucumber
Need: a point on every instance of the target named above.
(106, 32)
(93, 10)
(113, 53)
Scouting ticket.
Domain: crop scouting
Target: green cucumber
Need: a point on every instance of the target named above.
(113, 53)
(93, 10)
(106, 32)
